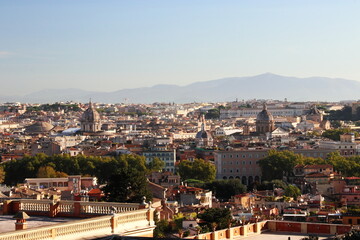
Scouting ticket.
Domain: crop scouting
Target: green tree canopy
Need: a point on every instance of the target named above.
(292, 191)
(49, 172)
(198, 169)
(281, 163)
(270, 185)
(278, 163)
(155, 165)
(129, 183)
(334, 134)
(2, 174)
(225, 189)
(216, 217)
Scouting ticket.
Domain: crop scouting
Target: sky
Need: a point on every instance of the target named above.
(111, 45)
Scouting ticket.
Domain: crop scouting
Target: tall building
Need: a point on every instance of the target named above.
(203, 138)
(264, 121)
(90, 120)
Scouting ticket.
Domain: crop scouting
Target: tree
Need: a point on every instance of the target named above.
(225, 189)
(348, 166)
(278, 163)
(292, 191)
(343, 114)
(266, 185)
(129, 183)
(49, 172)
(198, 169)
(213, 114)
(156, 165)
(2, 174)
(162, 228)
(219, 218)
(334, 134)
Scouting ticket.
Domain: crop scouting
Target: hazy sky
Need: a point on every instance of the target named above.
(111, 45)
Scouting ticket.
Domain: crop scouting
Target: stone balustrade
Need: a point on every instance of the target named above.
(35, 206)
(137, 222)
(106, 208)
(66, 208)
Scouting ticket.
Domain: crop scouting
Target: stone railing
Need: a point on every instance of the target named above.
(35, 205)
(106, 208)
(135, 222)
(131, 217)
(66, 208)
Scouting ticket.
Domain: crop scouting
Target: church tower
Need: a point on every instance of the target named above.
(90, 120)
(203, 138)
(264, 121)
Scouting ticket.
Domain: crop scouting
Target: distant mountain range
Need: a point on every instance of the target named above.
(264, 86)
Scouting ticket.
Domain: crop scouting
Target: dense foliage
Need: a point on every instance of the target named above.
(292, 191)
(213, 114)
(352, 235)
(156, 164)
(279, 164)
(198, 169)
(162, 229)
(334, 134)
(2, 174)
(55, 107)
(215, 218)
(271, 185)
(125, 175)
(129, 182)
(224, 189)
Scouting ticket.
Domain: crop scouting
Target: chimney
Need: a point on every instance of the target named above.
(21, 223)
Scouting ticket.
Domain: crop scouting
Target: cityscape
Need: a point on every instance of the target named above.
(217, 120)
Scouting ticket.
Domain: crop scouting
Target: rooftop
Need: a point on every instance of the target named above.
(7, 222)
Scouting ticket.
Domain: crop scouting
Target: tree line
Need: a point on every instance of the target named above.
(124, 175)
(280, 164)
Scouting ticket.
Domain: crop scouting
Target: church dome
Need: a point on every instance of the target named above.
(314, 111)
(90, 115)
(39, 127)
(202, 134)
(264, 115)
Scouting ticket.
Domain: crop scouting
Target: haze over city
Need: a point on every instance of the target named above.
(112, 45)
(182, 119)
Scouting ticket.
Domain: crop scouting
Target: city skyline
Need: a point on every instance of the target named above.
(113, 45)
